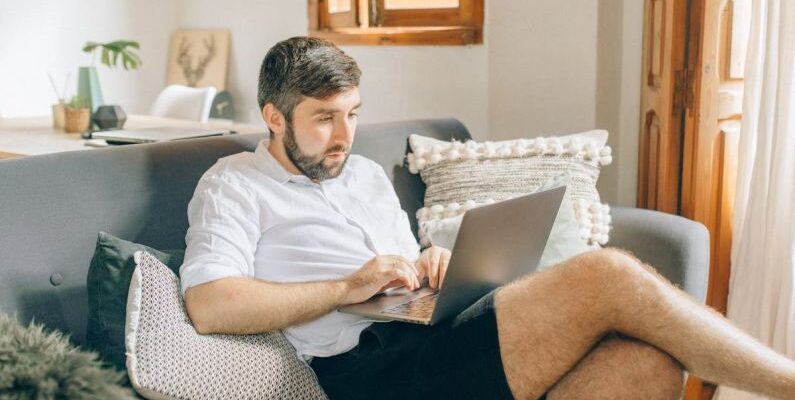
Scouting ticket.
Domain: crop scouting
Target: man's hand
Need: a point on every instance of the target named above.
(378, 274)
(433, 264)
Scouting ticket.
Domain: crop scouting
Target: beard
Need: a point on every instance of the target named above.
(312, 166)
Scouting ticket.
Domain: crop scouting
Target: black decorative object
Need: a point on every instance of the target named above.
(109, 117)
(223, 107)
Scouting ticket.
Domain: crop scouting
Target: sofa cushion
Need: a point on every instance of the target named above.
(462, 175)
(564, 239)
(107, 283)
(166, 358)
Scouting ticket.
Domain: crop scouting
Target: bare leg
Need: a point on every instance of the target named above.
(548, 321)
(620, 368)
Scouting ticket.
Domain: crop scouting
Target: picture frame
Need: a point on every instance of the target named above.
(199, 58)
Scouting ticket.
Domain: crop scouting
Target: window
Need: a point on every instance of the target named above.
(397, 22)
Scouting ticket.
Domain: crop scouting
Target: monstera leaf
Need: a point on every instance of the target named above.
(111, 52)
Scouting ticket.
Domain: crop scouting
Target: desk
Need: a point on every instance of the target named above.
(35, 135)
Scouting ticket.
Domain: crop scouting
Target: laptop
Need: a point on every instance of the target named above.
(496, 244)
(151, 135)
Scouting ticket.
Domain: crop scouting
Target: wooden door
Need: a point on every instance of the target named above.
(717, 48)
(691, 105)
(664, 97)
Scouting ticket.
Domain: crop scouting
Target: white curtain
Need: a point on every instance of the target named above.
(761, 297)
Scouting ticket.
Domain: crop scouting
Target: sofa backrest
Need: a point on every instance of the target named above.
(52, 207)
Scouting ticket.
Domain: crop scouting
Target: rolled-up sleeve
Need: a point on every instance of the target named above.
(223, 231)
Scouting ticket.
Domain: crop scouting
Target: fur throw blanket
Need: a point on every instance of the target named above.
(36, 364)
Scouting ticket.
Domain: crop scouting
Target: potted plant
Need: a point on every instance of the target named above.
(88, 83)
(77, 115)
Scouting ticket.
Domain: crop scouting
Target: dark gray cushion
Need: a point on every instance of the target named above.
(108, 282)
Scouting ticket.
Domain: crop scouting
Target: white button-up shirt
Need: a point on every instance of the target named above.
(251, 217)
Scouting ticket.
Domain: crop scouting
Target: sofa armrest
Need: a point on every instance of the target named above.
(677, 247)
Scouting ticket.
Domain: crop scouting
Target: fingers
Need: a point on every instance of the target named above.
(392, 284)
(421, 265)
(406, 272)
(435, 260)
(443, 266)
(408, 278)
(433, 271)
(410, 264)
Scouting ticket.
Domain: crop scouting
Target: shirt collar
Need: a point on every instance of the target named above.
(269, 165)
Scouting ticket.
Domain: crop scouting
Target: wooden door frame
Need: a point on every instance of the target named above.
(661, 142)
(710, 146)
(696, 388)
(704, 161)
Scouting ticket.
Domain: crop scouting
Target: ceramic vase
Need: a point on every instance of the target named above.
(88, 88)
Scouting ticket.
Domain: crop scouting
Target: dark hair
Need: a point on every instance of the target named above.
(304, 66)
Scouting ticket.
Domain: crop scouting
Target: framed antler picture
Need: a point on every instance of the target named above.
(198, 58)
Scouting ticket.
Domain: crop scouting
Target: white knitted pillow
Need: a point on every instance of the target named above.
(462, 175)
(564, 239)
(167, 359)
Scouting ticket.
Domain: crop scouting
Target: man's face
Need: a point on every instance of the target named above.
(319, 139)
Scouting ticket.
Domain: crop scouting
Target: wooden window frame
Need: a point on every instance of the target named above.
(443, 26)
(339, 20)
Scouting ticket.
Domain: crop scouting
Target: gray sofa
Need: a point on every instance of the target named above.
(53, 206)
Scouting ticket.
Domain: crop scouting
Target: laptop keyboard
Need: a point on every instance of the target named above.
(421, 307)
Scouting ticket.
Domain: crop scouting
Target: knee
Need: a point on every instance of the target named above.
(611, 268)
(621, 368)
(613, 261)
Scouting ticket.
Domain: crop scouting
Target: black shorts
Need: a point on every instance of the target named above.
(457, 359)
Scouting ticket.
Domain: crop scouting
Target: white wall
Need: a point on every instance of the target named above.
(629, 120)
(545, 66)
(397, 82)
(424, 82)
(542, 67)
(255, 26)
(567, 66)
(38, 36)
(618, 95)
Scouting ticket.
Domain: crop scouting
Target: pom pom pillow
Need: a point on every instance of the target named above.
(461, 175)
(564, 239)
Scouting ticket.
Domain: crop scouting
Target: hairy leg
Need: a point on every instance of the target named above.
(620, 367)
(548, 321)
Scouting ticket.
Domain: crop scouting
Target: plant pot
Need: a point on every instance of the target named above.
(76, 119)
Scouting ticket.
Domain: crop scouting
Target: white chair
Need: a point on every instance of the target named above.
(183, 102)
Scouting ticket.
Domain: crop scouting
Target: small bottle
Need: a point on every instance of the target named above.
(58, 114)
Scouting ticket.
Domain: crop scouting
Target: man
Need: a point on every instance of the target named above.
(282, 237)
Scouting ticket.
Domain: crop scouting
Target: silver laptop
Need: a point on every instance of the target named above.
(495, 245)
(150, 135)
